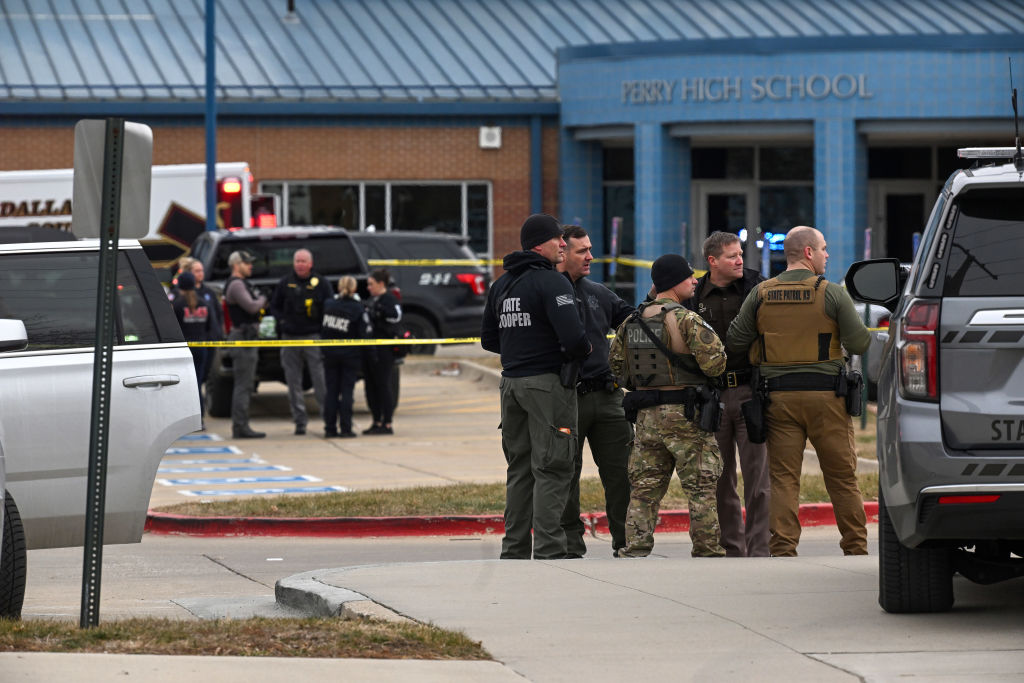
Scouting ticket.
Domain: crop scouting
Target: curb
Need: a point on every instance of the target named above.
(671, 521)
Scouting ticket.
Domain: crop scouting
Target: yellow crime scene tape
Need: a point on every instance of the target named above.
(621, 260)
(256, 343)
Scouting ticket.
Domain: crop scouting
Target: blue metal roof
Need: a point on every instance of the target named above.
(409, 50)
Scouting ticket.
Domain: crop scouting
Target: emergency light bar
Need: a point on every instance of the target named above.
(986, 152)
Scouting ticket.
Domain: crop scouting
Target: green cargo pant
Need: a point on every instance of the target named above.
(538, 436)
(667, 441)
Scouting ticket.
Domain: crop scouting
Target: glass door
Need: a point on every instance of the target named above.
(728, 206)
(898, 212)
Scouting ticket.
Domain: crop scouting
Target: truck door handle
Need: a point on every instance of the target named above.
(151, 381)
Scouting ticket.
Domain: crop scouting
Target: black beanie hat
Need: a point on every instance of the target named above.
(537, 229)
(668, 271)
(186, 281)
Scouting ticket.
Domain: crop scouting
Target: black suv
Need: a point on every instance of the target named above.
(951, 391)
(437, 300)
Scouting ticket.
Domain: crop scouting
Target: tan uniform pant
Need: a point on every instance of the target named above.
(794, 417)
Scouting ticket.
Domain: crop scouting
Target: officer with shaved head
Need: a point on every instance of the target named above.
(794, 327)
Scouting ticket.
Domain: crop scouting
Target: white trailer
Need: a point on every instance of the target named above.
(177, 208)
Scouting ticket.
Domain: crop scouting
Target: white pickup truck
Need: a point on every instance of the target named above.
(47, 340)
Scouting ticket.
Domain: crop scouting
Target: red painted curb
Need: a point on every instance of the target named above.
(672, 521)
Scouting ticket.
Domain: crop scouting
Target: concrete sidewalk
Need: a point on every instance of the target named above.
(765, 619)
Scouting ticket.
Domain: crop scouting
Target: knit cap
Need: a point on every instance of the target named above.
(668, 271)
(537, 229)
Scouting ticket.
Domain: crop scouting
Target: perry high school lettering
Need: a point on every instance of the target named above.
(511, 315)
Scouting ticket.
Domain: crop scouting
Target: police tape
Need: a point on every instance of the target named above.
(278, 343)
(620, 260)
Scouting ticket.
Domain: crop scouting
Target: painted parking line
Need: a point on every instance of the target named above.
(240, 468)
(217, 461)
(201, 437)
(215, 481)
(266, 491)
(204, 450)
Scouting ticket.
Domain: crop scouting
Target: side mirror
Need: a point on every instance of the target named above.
(875, 282)
(13, 336)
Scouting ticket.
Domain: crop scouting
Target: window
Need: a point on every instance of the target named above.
(900, 162)
(722, 163)
(458, 208)
(331, 254)
(985, 254)
(55, 296)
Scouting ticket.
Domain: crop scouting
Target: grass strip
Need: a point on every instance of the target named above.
(255, 637)
(457, 499)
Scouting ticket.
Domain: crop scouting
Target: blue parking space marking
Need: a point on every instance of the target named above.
(253, 492)
(236, 480)
(201, 437)
(215, 461)
(242, 468)
(204, 450)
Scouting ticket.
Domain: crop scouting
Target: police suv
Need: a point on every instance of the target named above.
(951, 391)
(47, 339)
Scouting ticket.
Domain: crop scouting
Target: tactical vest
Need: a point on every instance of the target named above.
(240, 316)
(647, 365)
(792, 326)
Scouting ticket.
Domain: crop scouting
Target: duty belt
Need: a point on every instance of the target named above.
(802, 381)
(585, 386)
(730, 380)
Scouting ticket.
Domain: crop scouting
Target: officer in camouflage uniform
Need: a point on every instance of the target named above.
(665, 393)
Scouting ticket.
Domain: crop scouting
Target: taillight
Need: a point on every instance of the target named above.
(961, 500)
(475, 281)
(919, 367)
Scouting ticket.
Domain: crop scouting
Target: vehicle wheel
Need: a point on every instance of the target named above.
(420, 327)
(218, 395)
(911, 579)
(13, 561)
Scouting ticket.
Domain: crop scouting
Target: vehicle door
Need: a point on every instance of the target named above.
(46, 401)
(981, 326)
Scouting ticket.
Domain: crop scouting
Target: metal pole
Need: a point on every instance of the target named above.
(211, 119)
(106, 292)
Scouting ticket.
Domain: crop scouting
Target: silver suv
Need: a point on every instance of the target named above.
(47, 338)
(951, 392)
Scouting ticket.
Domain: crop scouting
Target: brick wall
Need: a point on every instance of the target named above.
(338, 153)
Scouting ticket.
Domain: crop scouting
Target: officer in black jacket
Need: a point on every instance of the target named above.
(532, 321)
(719, 294)
(601, 418)
(298, 307)
(344, 318)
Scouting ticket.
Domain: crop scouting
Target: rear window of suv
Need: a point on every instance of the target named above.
(987, 247)
(332, 254)
(55, 296)
(410, 248)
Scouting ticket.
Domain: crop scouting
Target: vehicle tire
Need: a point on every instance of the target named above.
(911, 579)
(420, 327)
(218, 395)
(13, 561)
